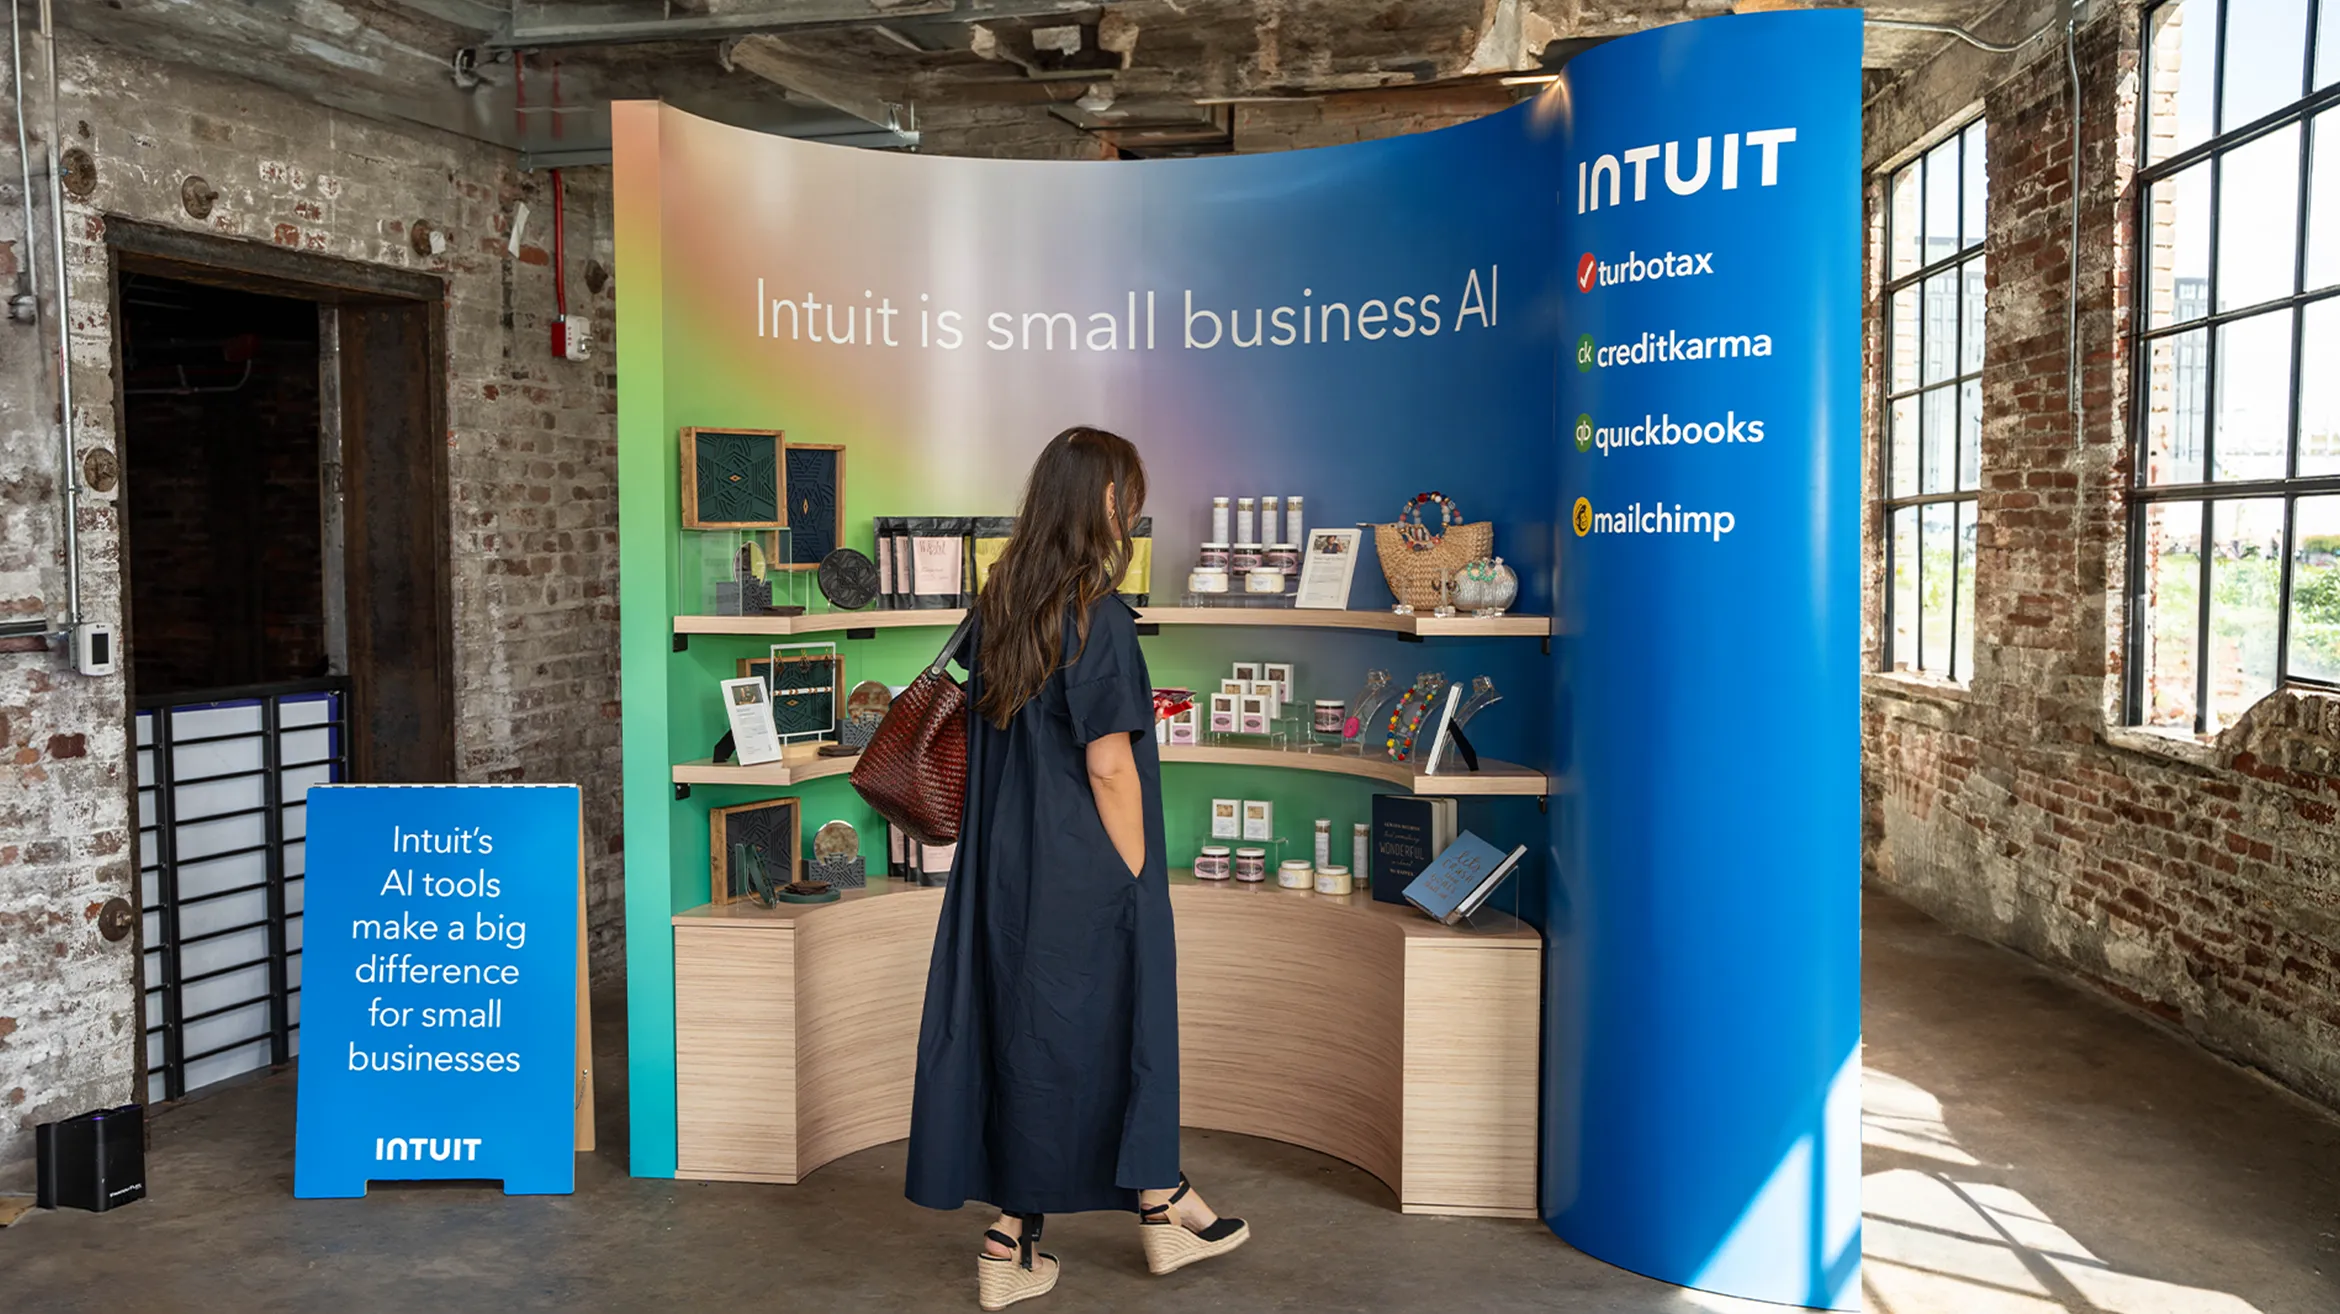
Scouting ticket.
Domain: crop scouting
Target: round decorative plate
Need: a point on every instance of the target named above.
(838, 839)
(869, 698)
(848, 579)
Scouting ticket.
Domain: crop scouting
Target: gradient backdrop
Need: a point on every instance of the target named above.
(1698, 885)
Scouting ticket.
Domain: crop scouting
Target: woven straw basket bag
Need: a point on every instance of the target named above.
(1414, 560)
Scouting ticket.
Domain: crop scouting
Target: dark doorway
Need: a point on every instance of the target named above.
(224, 518)
(286, 619)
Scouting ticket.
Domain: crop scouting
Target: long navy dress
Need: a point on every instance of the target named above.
(1048, 1054)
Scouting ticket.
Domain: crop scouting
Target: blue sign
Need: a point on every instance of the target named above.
(439, 987)
(1702, 1123)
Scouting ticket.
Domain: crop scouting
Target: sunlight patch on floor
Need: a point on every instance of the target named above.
(1937, 1242)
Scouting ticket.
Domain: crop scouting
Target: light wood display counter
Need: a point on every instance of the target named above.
(1358, 1029)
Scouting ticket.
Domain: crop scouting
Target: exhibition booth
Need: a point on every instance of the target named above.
(1616, 329)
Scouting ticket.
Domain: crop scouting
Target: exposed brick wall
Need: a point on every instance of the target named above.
(532, 451)
(2200, 881)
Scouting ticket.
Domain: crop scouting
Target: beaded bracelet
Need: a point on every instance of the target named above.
(1416, 535)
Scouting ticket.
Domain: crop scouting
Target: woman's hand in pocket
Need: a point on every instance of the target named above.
(1113, 782)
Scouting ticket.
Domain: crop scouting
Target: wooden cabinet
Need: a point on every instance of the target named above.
(1358, 1029)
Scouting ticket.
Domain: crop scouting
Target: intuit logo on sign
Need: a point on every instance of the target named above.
(1612, 169)
(452, 1149)
(1664, 431)
(1634, 269)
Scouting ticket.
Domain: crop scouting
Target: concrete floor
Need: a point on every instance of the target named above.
(2030, 1149)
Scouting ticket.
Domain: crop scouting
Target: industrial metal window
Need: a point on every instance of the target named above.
(1930, 377)
(2234, 535)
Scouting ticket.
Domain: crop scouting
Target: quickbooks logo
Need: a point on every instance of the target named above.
(1665, 431)
(1634, 269)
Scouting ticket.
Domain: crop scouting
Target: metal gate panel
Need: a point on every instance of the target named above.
(223, 779)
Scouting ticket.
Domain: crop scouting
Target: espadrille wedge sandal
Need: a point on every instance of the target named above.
(1172, 1245)
(1002, 1280)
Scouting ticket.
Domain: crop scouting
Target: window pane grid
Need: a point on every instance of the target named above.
(1929, 390)
(2235, 531)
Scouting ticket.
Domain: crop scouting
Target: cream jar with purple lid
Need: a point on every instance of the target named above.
(1243, 557)
(1216, 555)
(1214, 863)
(1251, 865)
(1283, 557)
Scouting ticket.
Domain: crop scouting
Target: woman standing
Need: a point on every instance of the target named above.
(1048, 1055)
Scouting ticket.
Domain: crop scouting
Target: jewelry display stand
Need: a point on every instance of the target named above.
(1366, 710)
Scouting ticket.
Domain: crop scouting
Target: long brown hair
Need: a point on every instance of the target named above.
(1065, 549)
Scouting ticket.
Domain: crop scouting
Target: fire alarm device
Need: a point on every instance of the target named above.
(93, 648)
(572, 338)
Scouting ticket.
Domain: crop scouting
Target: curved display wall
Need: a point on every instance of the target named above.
(1620, 322)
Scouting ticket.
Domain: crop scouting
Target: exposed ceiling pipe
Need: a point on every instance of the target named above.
(1953, 30)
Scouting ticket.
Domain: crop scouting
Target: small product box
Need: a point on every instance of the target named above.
(1224, 717)
(1254, 717)
(1281, 673)
(1182, 727)
(1226, 818)
(1259, 819)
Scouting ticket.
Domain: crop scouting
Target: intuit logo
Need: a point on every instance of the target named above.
(392, 1149)
(1665, 431)
(1590, 174)
(1634, 269)
(1656, 518)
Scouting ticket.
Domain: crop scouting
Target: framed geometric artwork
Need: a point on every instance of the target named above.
(772, 826)
(734, 479)
(816, 504)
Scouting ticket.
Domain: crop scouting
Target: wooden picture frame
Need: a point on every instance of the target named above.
(771, 822)
(805, 550)
(700, 513)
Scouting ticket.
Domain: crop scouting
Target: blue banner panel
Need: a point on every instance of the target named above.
(439, 988)
(1704, 994)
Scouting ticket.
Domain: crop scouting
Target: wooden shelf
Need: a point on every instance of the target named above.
(799, 766)
(795, 767)
(1492, 777)
(1420, 626)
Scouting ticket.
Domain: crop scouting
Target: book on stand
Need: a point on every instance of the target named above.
(1462, 876)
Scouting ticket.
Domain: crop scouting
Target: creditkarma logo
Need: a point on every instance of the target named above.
(1592, 273)
(1667, 348)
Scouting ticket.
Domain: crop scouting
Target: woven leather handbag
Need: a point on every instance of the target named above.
(914, 771)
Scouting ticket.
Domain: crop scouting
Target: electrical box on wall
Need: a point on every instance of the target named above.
(93, 648)
(572, 338)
